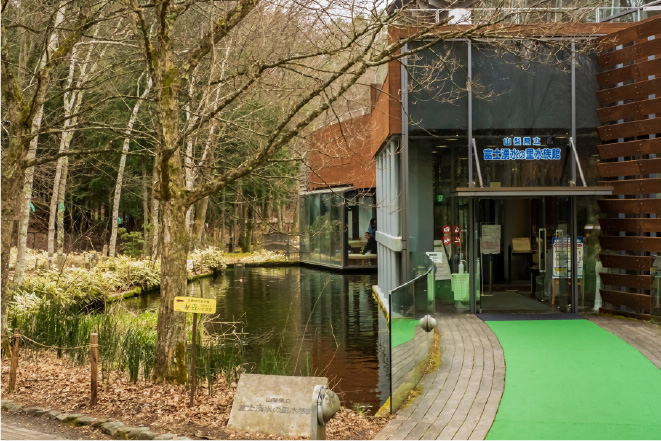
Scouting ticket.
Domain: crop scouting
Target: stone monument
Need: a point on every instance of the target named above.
(274, 404)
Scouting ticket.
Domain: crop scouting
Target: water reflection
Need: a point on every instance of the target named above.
(326, 319)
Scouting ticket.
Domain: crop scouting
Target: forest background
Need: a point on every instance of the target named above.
(168, 123)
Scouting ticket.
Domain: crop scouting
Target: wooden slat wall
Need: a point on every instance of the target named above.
(630, 132)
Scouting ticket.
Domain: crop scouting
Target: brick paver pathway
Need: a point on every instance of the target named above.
(644, 336)
(460, 399)
(13, 431)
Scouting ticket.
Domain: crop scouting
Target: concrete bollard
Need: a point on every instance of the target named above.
(325, 404)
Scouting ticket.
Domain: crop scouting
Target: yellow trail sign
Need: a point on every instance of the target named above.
(195, 304)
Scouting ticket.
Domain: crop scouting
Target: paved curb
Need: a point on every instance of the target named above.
(116, 429)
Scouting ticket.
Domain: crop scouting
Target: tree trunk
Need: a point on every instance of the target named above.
(248, 227)
(170, 351)
(53, 211)
(199, 224)
(61, 193)
(170, 360)
(145, 209)
(281, 215)
(188, 160)
(294, 224)
(12, 180)
(57, 199)
(222, 220)
(155, 206)
(122, 166)
(26, 199)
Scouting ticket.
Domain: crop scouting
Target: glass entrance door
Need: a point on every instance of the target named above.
(522, 254)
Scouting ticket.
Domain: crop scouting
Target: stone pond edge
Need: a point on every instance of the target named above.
(115, 429)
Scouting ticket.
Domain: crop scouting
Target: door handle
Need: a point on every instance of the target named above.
(541, 244)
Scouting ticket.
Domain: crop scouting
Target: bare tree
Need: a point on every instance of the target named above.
(235, 85)
(24, 217)
(22, 109)
(122, 165)
(291, 61)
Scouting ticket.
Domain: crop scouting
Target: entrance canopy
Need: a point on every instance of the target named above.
(523, 192)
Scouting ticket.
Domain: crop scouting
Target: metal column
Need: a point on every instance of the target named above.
(472, 242)
(574, 256)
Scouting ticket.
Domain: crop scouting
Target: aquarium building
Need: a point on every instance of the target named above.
(526, 171)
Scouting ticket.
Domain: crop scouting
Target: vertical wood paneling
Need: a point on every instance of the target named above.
(630, 97)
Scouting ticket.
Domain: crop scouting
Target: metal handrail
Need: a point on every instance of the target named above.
(629, 11)
(518, 12)
(426, 273)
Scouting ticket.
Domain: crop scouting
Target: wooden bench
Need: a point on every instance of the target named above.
(364, 259)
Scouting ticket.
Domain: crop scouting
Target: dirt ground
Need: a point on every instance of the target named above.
(44, 380)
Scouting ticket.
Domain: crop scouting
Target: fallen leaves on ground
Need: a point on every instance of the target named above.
(47, 381)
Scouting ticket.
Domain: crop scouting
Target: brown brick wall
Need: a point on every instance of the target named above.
(342, 154)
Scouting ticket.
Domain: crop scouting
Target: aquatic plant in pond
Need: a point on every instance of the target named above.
(273, 362)
(216, 360)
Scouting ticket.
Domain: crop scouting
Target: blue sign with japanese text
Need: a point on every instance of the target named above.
(528, 154)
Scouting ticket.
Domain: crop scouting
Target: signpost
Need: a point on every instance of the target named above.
(196, 305)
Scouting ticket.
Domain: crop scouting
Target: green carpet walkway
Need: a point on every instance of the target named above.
(570, 379)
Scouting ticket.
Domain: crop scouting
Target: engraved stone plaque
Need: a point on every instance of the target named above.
(274, 404)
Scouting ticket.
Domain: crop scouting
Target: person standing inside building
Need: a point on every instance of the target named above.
(371, 228)
(370, 246)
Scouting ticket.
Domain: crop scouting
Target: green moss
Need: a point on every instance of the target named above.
(169, 77)
(384, 411)
(178, 374)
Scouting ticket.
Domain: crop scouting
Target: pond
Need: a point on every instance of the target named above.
(324, 320)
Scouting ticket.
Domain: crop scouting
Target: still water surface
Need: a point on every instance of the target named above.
(313, 316)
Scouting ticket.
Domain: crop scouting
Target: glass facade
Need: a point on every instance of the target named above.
(520, 106)
(333, 225)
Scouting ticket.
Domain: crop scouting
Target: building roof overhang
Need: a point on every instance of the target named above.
(526, 192)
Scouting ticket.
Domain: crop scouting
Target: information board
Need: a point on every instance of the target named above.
(490, 241)
(195, 304)
(442, 268)
(562, 257)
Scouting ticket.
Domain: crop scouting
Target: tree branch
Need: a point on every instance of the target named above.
(219, 31)
(40, 161)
